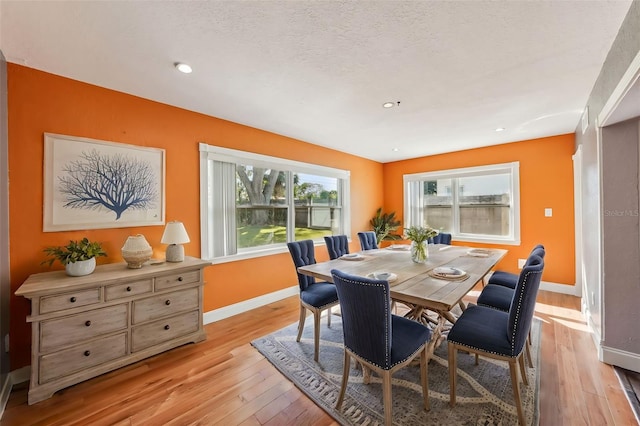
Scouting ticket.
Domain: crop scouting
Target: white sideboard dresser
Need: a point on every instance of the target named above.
(86, 326)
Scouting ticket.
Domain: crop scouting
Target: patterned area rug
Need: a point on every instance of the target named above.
(484, 392)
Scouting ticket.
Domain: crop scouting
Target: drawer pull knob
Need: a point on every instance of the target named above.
(87, 323)
(166, 327)
(168, 302)
(73, 299)
(129, 288)
(179, 278)
(87, 353)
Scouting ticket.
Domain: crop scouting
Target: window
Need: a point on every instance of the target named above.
(477, 204)
(252, 205)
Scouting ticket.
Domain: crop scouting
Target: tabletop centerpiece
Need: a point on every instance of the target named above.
(419, 237)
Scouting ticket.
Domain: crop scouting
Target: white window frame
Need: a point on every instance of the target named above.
(210, 153)
(414, 214)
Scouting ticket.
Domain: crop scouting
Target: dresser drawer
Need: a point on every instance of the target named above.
(76, 328)
(164, 305)
(75, 299)
(174, 280)
(80, 357)
(120, 291)
(157, 332)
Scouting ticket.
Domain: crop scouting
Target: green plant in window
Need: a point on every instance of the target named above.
(384, 224)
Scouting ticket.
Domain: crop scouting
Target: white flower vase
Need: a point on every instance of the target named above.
(81, 267)
(419, 252)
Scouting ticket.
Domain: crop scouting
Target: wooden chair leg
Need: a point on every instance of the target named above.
(386, 397)
(424, 377)
(523, 369)
(303, 316)
(513, 369)
(453, 351)
(528, 354)
(366, 374)
(316, 335)
(345, 378)
(329, 317)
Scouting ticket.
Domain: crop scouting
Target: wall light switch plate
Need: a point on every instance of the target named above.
(521, 263)
(548, 212)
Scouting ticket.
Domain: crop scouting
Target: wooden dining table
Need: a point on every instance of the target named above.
(416, 284)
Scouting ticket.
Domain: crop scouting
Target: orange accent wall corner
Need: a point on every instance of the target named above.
(546, 181)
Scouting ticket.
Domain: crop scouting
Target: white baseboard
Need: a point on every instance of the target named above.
(609, 355)
(247, 305)
(595, 336)
(571, 289)
(620, 358)
(4, 394)
(560, 288)
(13, 378)
(20, 375)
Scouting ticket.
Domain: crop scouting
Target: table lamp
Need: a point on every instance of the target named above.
(175, 235)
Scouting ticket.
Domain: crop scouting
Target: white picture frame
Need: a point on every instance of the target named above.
(94, 184)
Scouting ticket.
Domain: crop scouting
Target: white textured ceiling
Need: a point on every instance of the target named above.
(319, 71)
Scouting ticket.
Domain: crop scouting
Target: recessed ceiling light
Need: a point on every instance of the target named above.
(388, 104)
(500, 129)
(185, 68)
(395, 149)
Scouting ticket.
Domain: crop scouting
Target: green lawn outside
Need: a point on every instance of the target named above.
(253, 235)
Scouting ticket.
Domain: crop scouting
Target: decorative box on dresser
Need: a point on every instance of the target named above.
(86, 326)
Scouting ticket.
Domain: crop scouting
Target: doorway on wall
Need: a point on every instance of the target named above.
(618, 133)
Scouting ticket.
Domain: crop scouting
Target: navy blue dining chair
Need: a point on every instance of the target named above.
(500, 296)
(368, 240)
(377, 339)
(496, 334)
(314, 296)
(337, 245)
(441, 238)
(509, 279)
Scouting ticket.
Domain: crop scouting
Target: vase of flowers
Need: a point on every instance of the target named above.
(419, 237)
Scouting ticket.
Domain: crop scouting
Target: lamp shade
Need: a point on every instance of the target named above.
(174, 233)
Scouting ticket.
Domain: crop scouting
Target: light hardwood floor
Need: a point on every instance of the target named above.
(225, 381)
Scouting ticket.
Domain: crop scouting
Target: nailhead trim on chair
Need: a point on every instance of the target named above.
(387, 354)
(386, 331)
(513, 338)
(515, 325)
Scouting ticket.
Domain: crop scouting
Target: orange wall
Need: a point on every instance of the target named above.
(39, 102)
(546, 180)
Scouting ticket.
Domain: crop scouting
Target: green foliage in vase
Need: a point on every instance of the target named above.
(384, 224)
(74, 252)
(420, 234)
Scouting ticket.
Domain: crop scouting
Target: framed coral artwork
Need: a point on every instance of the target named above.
(92, 184)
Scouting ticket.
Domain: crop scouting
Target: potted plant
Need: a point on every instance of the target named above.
(78, 257)
(419, 237)
(384, 224)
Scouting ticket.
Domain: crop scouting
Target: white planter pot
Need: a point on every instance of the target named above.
(81, 267)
